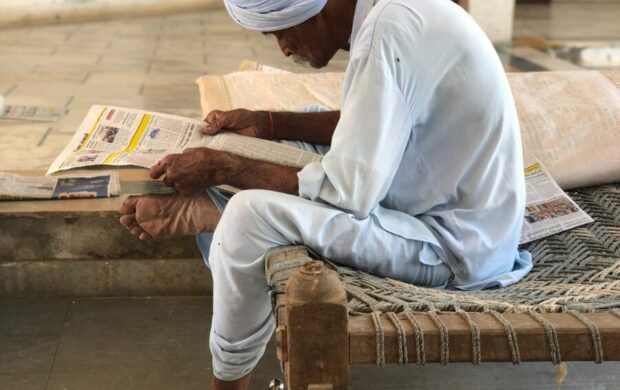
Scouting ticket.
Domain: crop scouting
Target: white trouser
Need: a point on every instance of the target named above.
(255, 221)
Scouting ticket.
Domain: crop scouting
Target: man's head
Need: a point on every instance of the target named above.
(308, 30)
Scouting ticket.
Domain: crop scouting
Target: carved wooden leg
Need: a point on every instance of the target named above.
(317, 336)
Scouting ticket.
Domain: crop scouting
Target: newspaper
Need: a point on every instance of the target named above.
(116, 136)
(570, 121)
(100, 185)
(270, 90)
(31, 113)
(549, 210)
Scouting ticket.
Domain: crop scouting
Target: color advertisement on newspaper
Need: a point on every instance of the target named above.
(549, 210)
(99, 185)
(121, 136)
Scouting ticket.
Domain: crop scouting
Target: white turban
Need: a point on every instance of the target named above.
(272, 15)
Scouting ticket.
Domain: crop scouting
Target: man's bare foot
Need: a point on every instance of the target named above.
(240, 384)
(159, 216)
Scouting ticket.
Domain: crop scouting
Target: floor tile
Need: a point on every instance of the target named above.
(488, 376)
(159, 343)
(30, 332)
(23, 381)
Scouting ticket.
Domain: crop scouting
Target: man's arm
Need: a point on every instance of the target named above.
(313, 127)
(200, 168)
(253, 174)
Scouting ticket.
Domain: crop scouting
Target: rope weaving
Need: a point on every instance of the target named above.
(419, 339)
(596, 335)
(402, 339)
(575, 272)
(444, 346)
(380, 337)
(510, 334)
(552, 336)
(475, 336)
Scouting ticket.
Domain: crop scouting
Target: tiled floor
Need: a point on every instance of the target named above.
(162, 344)
(148, 63)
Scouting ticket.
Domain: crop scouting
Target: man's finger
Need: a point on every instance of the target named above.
(157, 170)
(211, 125)
(168, 182)
(129, 205)
(210, 118)
(161, 166)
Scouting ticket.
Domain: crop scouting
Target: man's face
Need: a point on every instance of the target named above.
(307, 43)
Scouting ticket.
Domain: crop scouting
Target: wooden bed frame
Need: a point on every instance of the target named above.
(317, 340)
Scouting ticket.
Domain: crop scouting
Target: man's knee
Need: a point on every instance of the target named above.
(244, 206)
(247, 225)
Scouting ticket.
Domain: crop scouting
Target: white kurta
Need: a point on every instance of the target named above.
(423, 181)
(428, 141)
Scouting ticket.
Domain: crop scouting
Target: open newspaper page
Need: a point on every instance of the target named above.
(100, 185)
(126, 137)
(570, 121)
(549, 210)
(258, 149)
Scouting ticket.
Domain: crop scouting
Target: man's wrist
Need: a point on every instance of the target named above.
(264, 125)
(237, 168)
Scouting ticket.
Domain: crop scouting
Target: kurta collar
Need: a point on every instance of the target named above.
(362, 9)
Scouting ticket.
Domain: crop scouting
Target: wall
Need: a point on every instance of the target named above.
(31, 12)
(494, 16)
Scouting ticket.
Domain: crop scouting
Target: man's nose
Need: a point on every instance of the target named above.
(285, 50)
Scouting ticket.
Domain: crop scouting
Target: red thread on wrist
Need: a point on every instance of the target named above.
(271, 135)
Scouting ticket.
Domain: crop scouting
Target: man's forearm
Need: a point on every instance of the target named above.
(313, 127)
(253, 174)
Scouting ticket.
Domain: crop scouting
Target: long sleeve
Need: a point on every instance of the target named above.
(368, 144)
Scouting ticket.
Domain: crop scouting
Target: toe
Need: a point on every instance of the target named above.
(145, 236)
(137, 231)
(128, 220)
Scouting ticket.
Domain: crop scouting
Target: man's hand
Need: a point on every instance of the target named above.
(244, 122)
(195, 169)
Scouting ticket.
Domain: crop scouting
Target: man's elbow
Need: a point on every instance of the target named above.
(363, 209)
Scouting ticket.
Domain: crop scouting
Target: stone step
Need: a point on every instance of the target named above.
(100, 278)
(78, 248)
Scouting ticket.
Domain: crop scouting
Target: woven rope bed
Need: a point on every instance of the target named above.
(573, 291)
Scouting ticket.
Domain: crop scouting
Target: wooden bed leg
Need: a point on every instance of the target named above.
(317, 330)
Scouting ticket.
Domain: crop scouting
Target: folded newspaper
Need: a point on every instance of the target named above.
(100, 185)
(549, 210)
(126, 137)
(30, 113)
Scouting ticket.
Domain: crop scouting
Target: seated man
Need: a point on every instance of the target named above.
(423, 180)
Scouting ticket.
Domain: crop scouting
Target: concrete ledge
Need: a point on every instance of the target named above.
(92, 238)
(75, 278)
(36, 12)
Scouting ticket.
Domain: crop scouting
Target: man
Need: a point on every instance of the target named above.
(423, 180)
